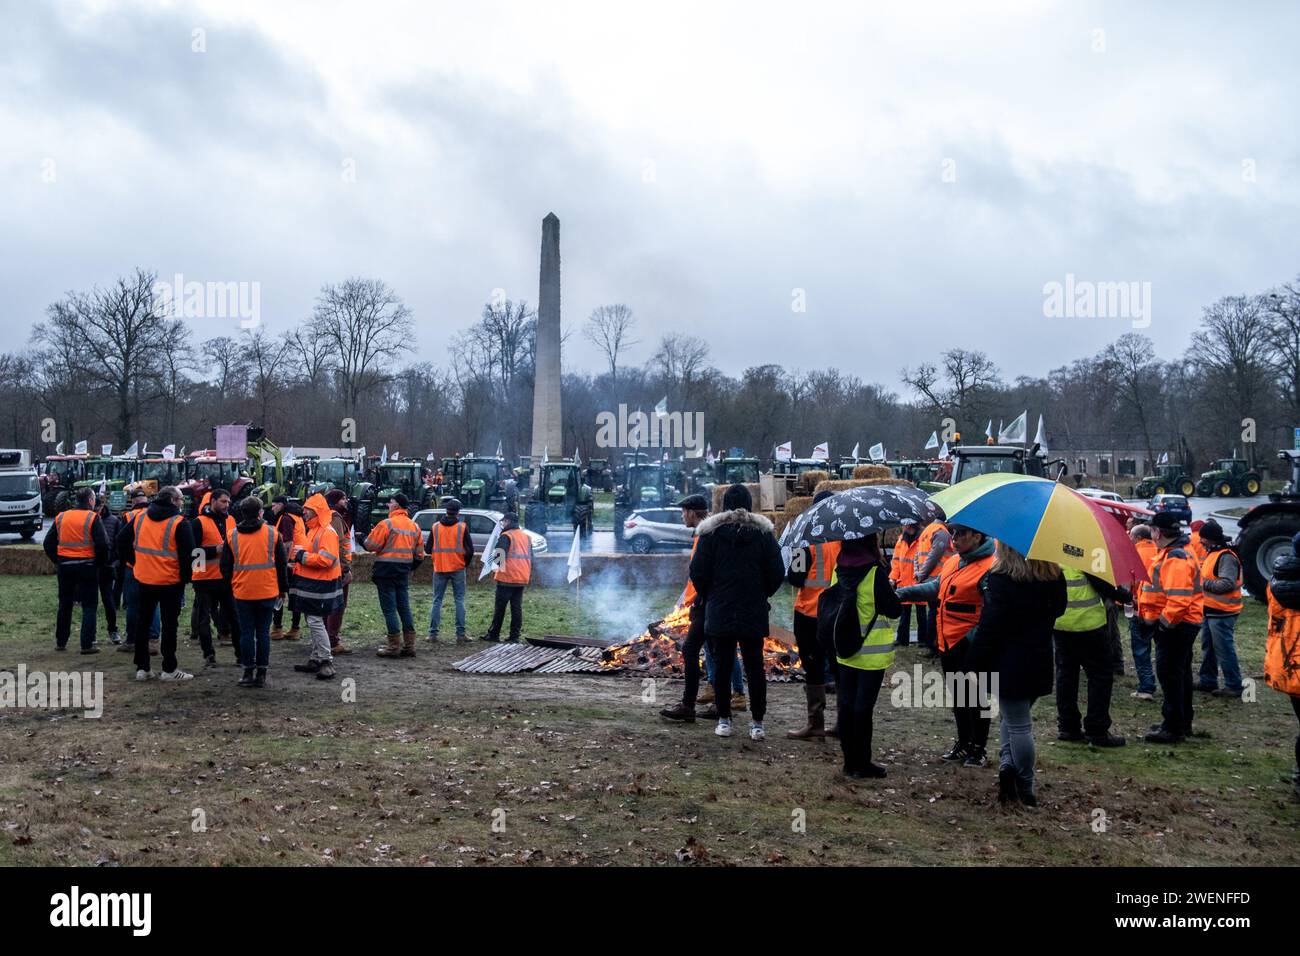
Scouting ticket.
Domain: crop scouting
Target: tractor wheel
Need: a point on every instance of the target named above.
(1252, 485)
(1260, 544)
(641, 544)
(1223, 489)
(1159, 490)
(62, 501)
(1187, 488)
(535, 517)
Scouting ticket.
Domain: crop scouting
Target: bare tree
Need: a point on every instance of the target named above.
(610, 327)
(957, 387)
(264, 360)
(1131, 366)
(681, 359)
(1282, 310)
(364, 323)
(227, 364)
(1234, 350)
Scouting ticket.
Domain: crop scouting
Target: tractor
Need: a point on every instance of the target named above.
(642, 487)
(58, 475)
(1264, 532)
(971, 460)
(599, 475)
(476, 482)
(923, 474)
(1228, 477)
(111, 474)
(1169, 479)
(387, 479)
(560, 498)
(329, 474)
(205, 472)
(155, 472)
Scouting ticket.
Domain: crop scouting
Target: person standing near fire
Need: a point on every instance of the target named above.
(513, 558)
(694, 510)
(811, 570)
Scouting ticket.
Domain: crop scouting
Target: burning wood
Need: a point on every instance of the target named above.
(657, 650)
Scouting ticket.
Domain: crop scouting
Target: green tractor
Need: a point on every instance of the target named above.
(642, 486)
(560, 498)
(476, 482)
(599, 475)
(1168, 480)
(1228, 477)
(387, 479)
(329, 474)
(112, 474)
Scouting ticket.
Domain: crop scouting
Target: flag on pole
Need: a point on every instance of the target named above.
(134, 450)
(397, 456)
(1164, 458)
(490, 552)
(661, 407)
(665, 458)
(106, 450)
(383, 456)
(877, 452)
(499, 454)
(575, 557)
(169, 451)
(546, 454)
(854, 456)
(1015, 432)
(1040, 437)
(361, 453)
(290, 457)
(822, 451)
(708, 454)
(577, 459)
(988, 431)
(81, 448)
(182, 454)
(934, 440)
(783, 452)
(58, 449)
(943, 452)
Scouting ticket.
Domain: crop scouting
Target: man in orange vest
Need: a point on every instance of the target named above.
(1175, 595)
(317, 586)
(78, 546)
(1194, 543)
(810, 571)
(130, 589)
(958, 589)
(395, 543)
(1221, 581)
(160, 546)
(695, 508)
(902, 574)
(932, 548)
(212, 597)
(452, 549)
(514, 563)
(255, 567)
(1142, 619)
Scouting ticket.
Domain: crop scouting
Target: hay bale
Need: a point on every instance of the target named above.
(720, 490)
(794, 507)
(809, 480)
(872, 471)
(843, 484)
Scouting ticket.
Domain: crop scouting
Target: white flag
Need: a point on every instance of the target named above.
(182, 454)
(988, 430)
(103, 487)
(106, 450)
(490, 552)
(1040, 439)
(58, 449)
(577, 459)
(934, 440)
(575, 558)
(546, 454)
(783, 451)
(708, 454)
(499, 455)
(1015, 432)
(397, 456)
(289, 457)
(361, 453)
(134, 450)
(383, 457)
(1164, 458)
(81, 448)
(661, 408)
(943, 452)
(169, 451)
(429, 457)
(877, 452)
(822, 451)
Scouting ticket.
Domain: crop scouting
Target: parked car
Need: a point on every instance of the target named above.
(481, 521)
(1176, 504)
(648, 528)
(1100, 493)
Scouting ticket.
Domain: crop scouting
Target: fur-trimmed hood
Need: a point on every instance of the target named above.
(739, 517)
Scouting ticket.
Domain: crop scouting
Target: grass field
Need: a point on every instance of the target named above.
(429, 765)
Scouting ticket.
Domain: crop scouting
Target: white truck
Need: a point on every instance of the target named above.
(20, 494)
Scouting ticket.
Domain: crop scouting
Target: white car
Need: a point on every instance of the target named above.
(1100, 493)
(480, 522)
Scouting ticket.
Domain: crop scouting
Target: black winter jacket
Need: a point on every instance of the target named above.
(737, 566)
(1014, 635)
(1285, 583)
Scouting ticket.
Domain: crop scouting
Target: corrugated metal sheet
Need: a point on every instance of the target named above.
(579, 660)
(507, 659)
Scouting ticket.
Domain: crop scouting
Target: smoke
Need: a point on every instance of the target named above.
(623, 608)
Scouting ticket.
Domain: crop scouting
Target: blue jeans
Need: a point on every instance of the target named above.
(737, 669)
(1016, 740)
(255, 631)
(395, 602)
(440, 582)
(1219, 650)
(1139, 635)
(131, 601)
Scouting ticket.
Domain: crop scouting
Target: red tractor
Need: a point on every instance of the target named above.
(58, 475)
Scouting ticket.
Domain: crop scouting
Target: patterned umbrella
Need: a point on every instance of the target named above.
(857, 513)
(1046, 521)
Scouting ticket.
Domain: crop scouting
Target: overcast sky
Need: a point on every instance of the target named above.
(706, 159)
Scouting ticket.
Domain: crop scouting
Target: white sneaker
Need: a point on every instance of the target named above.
(723, 729)
(177, 674)
(756, 731)
(144, 675)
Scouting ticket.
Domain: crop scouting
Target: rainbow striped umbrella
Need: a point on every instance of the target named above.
(1046, 521)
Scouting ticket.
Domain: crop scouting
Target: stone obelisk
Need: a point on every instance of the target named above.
(547, 432)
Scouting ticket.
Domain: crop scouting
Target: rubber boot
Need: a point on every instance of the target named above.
(393, 648)
(815, 694)
(408, 644)
(291, 634)
(277, 634)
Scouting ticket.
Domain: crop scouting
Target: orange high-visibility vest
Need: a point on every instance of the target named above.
(74, 530)
(448, 550)
(960, 601)
(299, 531)
(924, 545)
(518, 567)
(321, 562)
(253, 554)
(1282, 652)
(130, 520)
(820, 569)
(345, 542)
(1229, 603)
(1196, 546)
(395, 539)
(1142, 604)
(688, 592)
(155, 551)
(1174, 590)
(902, 570)
(211, 538)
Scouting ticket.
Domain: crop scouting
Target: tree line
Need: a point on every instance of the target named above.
(111, 366)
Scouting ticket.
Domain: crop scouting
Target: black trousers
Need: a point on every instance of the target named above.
(119, 582)
(856, 702)
(691, 648)
(213, 601)
(1089, 650)
(928, 635)
(1174, 672)
(724, 659)
(811, 654)
(904, 634)
(167, 597)
(1116, 643)
(77, 586)
(512, 595)
(972, 728)
(107, 579)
